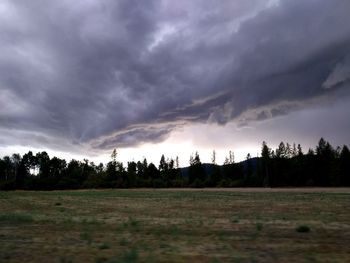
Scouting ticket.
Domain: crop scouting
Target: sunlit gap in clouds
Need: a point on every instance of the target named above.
(181, 143)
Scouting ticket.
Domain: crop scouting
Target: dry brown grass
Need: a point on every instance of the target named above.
(176, 225)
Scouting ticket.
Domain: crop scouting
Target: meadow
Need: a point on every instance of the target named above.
(176, 225)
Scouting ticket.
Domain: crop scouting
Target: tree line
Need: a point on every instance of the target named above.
(285, 166)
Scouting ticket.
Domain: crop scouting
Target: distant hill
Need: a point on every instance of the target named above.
(208, 167)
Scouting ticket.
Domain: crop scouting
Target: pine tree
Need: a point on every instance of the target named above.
(213, 158)
(162, 164)
(114, 156)
(281, 150)
(266, 156)
(300, 151)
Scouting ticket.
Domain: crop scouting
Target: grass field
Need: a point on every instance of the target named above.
(239, 225)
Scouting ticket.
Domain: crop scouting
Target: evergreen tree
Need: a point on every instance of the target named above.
(300, 151)
(288, 167)
(213, 158)
(266, 156)
(249, 170)
(325, 159)
(344, 167)
(294, 150)
(114, 156)
(232, 157)
(196, 173)
(163, 166)
(215, 176)
(281, 151)
(177, 164)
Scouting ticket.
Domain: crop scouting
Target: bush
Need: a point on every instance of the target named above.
(259, 226)
(104, 246)
(302, 229)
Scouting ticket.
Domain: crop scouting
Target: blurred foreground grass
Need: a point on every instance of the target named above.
(175, 226)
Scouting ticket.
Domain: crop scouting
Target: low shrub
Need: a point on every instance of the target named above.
(303, 229)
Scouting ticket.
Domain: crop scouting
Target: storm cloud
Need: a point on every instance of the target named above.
(105, 74)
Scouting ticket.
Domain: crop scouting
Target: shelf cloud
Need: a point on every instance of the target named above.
(105, 74)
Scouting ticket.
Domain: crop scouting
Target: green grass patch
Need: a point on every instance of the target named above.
(16, 217)
(130, 257)
(86, 236)
(123, 241)
(103, 246)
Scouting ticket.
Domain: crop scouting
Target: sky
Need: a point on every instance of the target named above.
(80, 78)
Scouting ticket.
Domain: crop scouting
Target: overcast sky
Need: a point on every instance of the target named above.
(79, 78)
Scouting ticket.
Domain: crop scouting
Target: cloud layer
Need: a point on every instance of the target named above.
(104, 74)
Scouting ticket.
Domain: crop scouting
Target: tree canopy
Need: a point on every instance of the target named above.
(285, 166)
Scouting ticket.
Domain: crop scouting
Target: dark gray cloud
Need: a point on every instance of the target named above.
(128, 137)
(106, 74)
